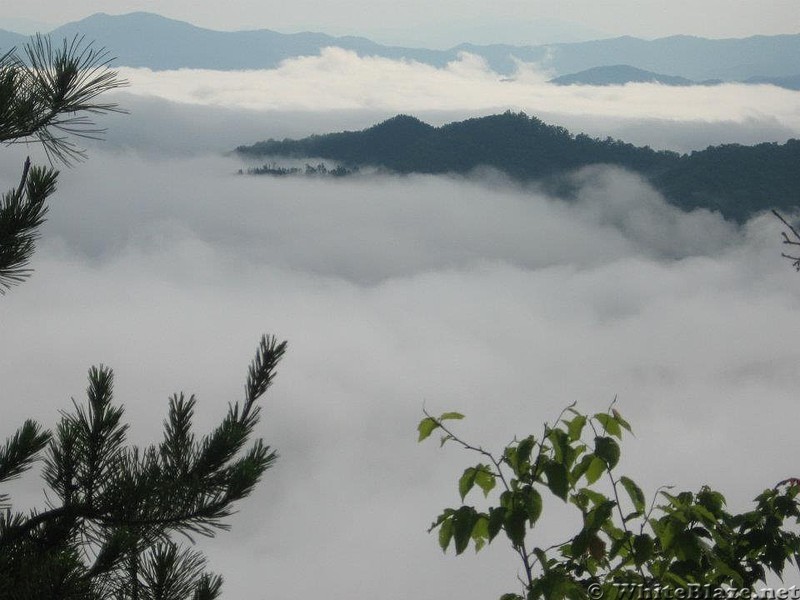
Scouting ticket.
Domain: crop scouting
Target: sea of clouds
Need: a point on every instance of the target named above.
(472, 293)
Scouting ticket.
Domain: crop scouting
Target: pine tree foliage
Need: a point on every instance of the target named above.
(114, 510)
(22, 212)
(48, 94)
(51, 93)
(114, 513)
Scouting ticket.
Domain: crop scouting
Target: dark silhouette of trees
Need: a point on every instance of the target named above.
(738, 181)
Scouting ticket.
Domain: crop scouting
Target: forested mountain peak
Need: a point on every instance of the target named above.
(735, 180)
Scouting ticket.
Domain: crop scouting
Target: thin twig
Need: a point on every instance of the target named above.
(791, 228)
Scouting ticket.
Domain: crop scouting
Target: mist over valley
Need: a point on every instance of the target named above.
(469, 290)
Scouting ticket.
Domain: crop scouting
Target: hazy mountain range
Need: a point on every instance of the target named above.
(149, 40)
(738, 181)
(622, 74)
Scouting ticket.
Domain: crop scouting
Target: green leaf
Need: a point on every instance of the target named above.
(596, 497)
(620, 420)
(667, 533)
(610, 424)
(450, 416)
(463, 522)
(702, 514)
(631, 516)
(444, 440)
(711, 500)
(480, 532)
(580, 469)
(485, 479)
(426, 427)
(524, 449)
(445, 534)
(608, 450)
(575, 427)
(673, 500)
(557, 479)
(597, 467)
(580, 500)
(533, 504)
(688, 546)
(542, 559)
(580, 544)
(598, 516)
(514, 524)
(467, 481)
(511, 597)
(561, 448)
(635, 493)
(496, 518)
(643, 547)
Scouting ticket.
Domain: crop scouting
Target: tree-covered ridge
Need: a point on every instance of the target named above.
(736, 180)
(622, 74)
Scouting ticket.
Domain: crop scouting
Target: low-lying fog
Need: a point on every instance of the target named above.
(471, 294)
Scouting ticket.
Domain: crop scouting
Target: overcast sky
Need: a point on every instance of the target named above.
(447, 22)
(473, 294)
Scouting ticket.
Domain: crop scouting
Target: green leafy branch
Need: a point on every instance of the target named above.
(674, 541)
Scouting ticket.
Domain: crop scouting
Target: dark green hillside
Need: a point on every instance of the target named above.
(525, 147)
(738, 181)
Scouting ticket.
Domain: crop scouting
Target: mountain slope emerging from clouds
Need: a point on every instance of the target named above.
(149, 40)
(619, 75)
(737, 181)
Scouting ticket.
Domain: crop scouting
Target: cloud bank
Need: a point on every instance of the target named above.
(339, 80)
(471, 294)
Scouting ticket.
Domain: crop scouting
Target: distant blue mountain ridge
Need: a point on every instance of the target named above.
(149, 40)
(622, 74)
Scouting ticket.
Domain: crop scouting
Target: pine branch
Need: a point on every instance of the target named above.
(21, 450)
(122, 505)
(48, 95)
(22, 212)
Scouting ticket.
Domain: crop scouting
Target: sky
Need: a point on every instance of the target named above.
(399, 294)
(447, 22)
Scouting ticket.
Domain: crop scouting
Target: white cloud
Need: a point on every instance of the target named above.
(476, 295)
(340, 80)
